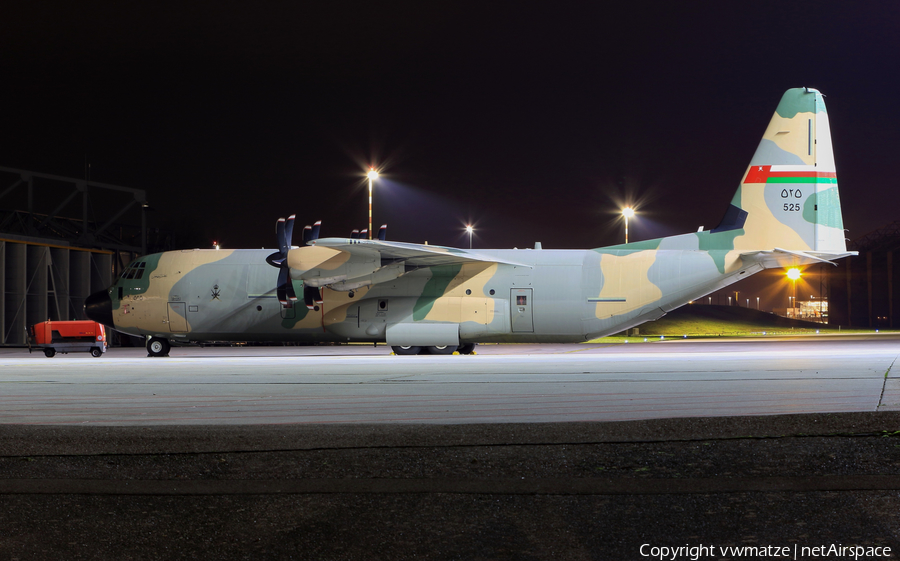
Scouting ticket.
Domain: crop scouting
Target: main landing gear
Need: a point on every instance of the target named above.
(466, 349)
(157, 346)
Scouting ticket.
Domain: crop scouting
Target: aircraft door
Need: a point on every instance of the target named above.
(177, 314)
(520, 310)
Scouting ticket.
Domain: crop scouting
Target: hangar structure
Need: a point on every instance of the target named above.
(52, 259)
(864, 289)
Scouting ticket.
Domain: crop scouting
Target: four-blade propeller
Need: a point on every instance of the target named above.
(284, 231)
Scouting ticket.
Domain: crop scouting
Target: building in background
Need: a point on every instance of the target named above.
(61, 239)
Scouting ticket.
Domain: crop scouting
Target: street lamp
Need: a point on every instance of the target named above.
(627, 212)
(793, 274)
(372, 175)
(470, 229)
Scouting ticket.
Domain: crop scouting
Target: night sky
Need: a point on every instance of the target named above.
(534, 121)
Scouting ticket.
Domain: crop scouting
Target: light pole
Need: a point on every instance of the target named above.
(627, 212)
(793, 274)
(757, 303)
(372, 175)
(470, 229)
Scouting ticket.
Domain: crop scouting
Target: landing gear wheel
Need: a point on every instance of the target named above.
(157, 346)
(466, 349)
(96, 352)
(49, 353)
(402, 350)
(441, 350)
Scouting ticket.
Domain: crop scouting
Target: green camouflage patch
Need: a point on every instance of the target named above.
(441, 277)
(824, 207)
(798, 100)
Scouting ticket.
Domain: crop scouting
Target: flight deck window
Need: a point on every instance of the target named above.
(134, 271)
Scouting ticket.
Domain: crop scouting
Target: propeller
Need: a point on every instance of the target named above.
(311, 233)
(357, 235)
(311, 296)
(284, 230)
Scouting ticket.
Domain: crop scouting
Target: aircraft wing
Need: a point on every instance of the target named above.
(416, 255)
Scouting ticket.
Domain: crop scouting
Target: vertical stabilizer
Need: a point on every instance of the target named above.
(790, 191)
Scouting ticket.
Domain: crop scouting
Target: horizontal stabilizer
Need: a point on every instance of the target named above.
(787, 258)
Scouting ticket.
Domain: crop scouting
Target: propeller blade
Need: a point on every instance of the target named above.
(279, 235)
(307, 234)
(382, 232)
(289, 232)
(283, 281)
(364, 234)
(354, 235)
(291, 295)
(315, 229)
(284, 232)
(309, 296)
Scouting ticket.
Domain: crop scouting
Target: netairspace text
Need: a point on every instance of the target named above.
(794, 552)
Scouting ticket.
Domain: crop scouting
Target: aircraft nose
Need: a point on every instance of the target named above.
(98, 307)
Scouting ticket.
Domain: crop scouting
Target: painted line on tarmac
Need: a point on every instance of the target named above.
(500, 486)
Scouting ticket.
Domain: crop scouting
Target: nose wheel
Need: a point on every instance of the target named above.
(157, 346)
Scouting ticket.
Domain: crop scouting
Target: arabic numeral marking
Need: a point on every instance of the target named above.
(792, 207)
(791, 193)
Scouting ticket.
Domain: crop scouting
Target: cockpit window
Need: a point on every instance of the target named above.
(134, 271)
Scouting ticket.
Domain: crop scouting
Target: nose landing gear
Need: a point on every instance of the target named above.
(157, 346)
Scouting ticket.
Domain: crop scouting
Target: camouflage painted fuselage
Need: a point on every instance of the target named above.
(558, 295)
(785, 212)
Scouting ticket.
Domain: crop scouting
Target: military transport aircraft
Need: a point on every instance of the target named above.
(432, 299)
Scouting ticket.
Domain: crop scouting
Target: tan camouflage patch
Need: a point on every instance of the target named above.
(792, 135)
(626, 283)
(315, 257)
(762, 229)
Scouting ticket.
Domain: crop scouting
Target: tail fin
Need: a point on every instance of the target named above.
(789, 196)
